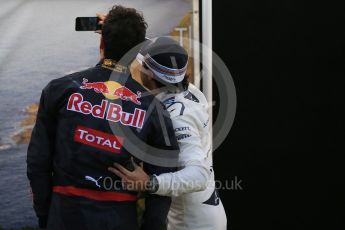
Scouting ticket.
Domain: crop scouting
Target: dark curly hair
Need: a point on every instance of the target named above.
(123, 29)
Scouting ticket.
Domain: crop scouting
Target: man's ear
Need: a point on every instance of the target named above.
(101, 48)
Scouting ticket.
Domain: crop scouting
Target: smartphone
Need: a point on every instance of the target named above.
(87, 24)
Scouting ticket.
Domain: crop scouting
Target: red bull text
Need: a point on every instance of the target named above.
(106, 110)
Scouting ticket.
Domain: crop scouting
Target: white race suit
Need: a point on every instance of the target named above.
(195, 201)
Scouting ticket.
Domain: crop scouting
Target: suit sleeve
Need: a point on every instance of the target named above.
(39, 158)
(194, 173)
(162, 137)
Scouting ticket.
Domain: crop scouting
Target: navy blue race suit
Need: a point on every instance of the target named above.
(74, 142)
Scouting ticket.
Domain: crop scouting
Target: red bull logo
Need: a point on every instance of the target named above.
(112, 90)
(126, 94)
(98, 87)
(106, 110)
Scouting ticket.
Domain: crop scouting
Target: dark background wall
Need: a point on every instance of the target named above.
(287, 141)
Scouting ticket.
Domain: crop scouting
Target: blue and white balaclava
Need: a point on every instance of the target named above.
(165, 58)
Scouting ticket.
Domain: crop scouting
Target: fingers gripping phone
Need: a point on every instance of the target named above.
(87, 24)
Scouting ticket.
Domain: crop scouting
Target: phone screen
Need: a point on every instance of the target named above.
(87, 24)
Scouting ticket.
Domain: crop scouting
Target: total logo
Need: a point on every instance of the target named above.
(106, 110)
(112, 90)
(98, 139)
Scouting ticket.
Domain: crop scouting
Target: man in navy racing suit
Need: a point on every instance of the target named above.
(79, 133)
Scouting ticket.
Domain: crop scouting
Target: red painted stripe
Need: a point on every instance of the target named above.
(94, 195)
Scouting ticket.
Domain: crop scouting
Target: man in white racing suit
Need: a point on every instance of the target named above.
(195, 201)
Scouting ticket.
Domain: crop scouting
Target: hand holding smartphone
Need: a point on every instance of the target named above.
(87, 24)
